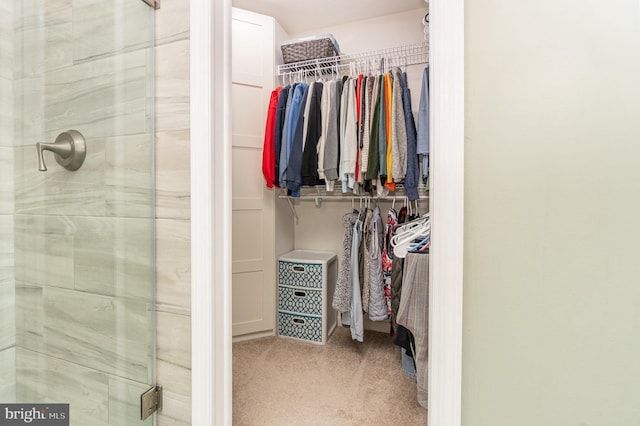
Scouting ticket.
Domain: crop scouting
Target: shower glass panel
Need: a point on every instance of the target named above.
(77, 320)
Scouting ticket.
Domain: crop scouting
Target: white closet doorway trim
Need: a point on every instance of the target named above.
(210, 74)
(446, 43)
(211, 211)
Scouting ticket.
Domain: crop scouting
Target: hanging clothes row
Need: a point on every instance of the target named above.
(384, 274)
(411, 315)
(410, 297)
(358, 130)
(366, 281)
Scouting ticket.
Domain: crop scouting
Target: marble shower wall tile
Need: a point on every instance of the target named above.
(8, 375)
(114, 257)
(104, 28)
(29, 316)
(172, 21)
(124, 402)
(172, 86)
(174, 338)
(129, 176)
(100, 332)
(43, 36)
(60, 87)
(38, 13)
(104, 97)
(44, 329)
(174, 377)
(173, 252)
(7, 262)
(173, 212)
(176, 410)
(173, 264)
(7, 315)
(103, 333)
(44, 250)
(6, 110)
(173, 171)
(176, 380)
(28, 108)
(174, 368)
(45, 378)
(6, 180)
(43, 48)
(7, 12)
(58, 191)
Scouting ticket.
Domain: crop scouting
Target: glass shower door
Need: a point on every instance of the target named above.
(83, 240)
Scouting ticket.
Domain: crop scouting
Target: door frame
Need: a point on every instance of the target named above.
(210, 65)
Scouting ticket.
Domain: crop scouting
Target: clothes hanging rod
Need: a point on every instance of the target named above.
(321, 194)
(320, 191)
(350, 197)
(400, 56)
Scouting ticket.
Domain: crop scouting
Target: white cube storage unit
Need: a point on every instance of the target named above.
(306, 282)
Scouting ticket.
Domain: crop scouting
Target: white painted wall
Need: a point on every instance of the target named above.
(552, 301)
(376, 33)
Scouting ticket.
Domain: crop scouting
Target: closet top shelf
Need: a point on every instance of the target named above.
(377, 60)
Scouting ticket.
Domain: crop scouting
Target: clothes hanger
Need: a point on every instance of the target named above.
(425, 22)
(402, 242)
(408, 226)
(421, 246)
(412, 225)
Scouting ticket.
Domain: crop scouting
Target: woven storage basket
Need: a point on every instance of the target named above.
(305, 50)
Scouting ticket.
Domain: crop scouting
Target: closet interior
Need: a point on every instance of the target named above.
(292, 228)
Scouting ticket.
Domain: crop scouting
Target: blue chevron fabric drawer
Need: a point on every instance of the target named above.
(306, 282)
(301, 327)
(300, 300)
(297, 274)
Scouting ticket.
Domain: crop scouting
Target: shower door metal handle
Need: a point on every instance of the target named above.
(69, 148)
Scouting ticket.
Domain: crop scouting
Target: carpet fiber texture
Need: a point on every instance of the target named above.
(278, 381)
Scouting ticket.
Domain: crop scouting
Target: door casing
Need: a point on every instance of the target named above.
(211, 211)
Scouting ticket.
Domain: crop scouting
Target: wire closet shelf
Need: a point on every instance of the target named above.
(320, 191)
(377, 60)
(319, 194)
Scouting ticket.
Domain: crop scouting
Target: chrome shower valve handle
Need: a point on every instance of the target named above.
(69, 149)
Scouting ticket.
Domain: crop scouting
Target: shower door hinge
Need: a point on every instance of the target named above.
(153, 3)
(150, 402)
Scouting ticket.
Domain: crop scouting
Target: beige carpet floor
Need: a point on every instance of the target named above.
(279, 381)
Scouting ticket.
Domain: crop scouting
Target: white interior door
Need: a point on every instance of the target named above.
(253, 205)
